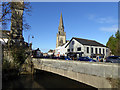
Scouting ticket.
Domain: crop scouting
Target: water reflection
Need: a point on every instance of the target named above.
(43, 80)
(23, 81)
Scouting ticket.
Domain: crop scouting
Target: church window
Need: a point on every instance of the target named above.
(87, 49)
(72, 49)
(68, 50)
(72, 42)
(99, 50)
(79, 49)
(91, 50)
(103, 51)
(96, 51)
(106, 50)
(61, 41)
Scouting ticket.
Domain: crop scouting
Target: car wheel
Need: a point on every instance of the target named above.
(110, 62)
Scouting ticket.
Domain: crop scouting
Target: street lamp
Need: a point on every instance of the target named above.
(29, 45)
(29, 38)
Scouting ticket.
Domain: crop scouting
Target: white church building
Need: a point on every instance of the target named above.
(77, 46)
(85, 47)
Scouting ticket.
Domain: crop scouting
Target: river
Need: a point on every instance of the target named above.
(44, 80)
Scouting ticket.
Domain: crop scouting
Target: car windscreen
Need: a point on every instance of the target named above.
(85, 58)
(114, 57)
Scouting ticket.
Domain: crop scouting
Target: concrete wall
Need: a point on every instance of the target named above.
(93, 74)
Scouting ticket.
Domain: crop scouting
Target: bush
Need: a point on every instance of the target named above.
(19, 55)
(5, 64)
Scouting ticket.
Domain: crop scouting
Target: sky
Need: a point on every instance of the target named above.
(87, 20)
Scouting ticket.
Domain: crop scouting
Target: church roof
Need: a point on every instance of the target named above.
(87, 42)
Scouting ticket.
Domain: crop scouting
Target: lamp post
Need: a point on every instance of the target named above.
(29, 44)
(29, 38)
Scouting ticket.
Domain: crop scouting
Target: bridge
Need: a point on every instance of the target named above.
(96, 74)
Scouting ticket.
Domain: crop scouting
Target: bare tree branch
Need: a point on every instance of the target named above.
(7, 7)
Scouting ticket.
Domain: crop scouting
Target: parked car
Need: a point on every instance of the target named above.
(46, 57)
(86, 59)
(35, 56)
(113, 59)
(67, 58)
(62, 57)
(55, 57)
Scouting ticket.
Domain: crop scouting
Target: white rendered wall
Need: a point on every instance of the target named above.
(84, 48)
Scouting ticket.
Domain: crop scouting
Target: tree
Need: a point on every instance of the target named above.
(5, 15)
(114, 43)
(19, 55)
(111, 44)
(17, 52)
(117, 43)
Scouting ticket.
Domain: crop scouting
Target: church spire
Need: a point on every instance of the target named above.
(61, 35)
(61, 22)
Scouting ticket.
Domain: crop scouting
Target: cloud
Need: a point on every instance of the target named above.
(91, 16)
(102, 19)
(106, 20)
(112, 28)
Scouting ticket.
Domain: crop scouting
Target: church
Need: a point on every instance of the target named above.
(61, 35)
(78, 47)
(61, 39)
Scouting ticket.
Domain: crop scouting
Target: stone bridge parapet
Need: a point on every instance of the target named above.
(91, 73)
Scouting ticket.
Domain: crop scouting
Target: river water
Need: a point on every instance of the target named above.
(44, 80)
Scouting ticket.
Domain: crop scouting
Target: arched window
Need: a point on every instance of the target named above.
(72, 42)
(61, 42)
